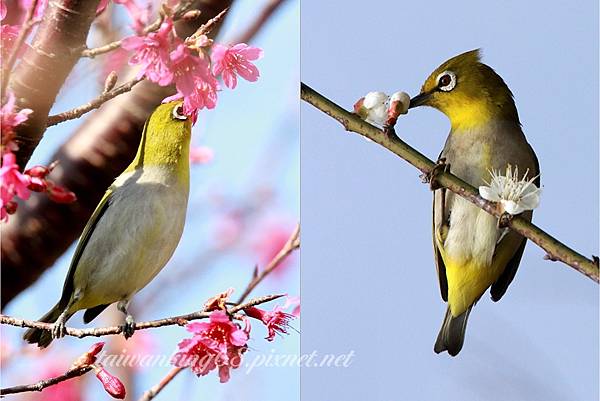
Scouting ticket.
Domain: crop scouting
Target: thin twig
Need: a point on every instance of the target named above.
(23, 33)
(157, 388)
(205, 28)
(292, 244)
(93, 104)
(554, 248)
(155, 25)
(42, 384)
(180, 320)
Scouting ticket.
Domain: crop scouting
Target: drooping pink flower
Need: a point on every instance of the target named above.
(194, 82)
(9, 119)
(276, 321)
(218, 343)
(201, 154)
(12, 182)
(230, 61)
(152, 53)
(3, 10)
(111, 384)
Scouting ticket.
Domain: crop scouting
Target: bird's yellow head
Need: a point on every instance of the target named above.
(165, 139)
(469, 92)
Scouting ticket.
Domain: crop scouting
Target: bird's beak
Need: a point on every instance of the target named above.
(419, 100)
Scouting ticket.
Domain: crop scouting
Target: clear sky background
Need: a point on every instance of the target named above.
(368, 277)
(254, 132)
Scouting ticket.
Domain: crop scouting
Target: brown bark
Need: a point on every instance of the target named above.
(46, 64)
(99, 150)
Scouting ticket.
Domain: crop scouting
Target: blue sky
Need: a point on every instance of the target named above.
(254, 132)
(368, 277)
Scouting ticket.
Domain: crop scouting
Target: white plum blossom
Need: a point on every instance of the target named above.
(380, 109)
(514, 194)
(373, 107)
(399, 102)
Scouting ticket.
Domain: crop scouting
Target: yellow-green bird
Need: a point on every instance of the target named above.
(471, 252)
(134, 230)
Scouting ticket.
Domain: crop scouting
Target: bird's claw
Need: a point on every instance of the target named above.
(504, 220)
(59, 330)
(440, 166)
(390, 131)
(129, 327)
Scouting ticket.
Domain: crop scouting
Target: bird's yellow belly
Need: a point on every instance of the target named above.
(468, 254)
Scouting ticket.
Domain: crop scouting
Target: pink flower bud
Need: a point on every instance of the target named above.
(11, 207)
(61, 195)
(37, 184)
(38, 171)
(111, 384)
(89, 357)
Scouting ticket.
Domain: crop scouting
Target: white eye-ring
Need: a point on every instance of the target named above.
(178, 112)
(446, 81)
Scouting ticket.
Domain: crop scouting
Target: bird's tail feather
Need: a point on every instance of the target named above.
(43, 337)
(452, 333)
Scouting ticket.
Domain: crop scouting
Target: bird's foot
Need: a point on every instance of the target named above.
(390, 131)
(440, 166)
(129, 327)
(59, 330)
(504, 220)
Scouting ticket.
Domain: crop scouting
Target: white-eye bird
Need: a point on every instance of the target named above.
(134, 230)
(471, 252)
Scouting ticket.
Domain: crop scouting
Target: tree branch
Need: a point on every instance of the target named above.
(180, 320)
(292, 243)
(157, 388)
(554, 248)
(45, 66)
(93, 104)
(42, 384)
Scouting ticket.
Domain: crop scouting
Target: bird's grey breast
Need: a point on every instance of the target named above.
(135, 237)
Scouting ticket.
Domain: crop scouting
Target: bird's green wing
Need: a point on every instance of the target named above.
(439, 262)
(83, 240)
(501, 285)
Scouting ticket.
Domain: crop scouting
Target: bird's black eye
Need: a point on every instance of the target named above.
(446, 81)
(178, 112)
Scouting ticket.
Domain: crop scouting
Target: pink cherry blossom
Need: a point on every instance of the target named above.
(152, 53)
(201, 154)
(194, 82)
(12, 183)
(9, 119)
(218, 343)
(276, 321)
(235, 60)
